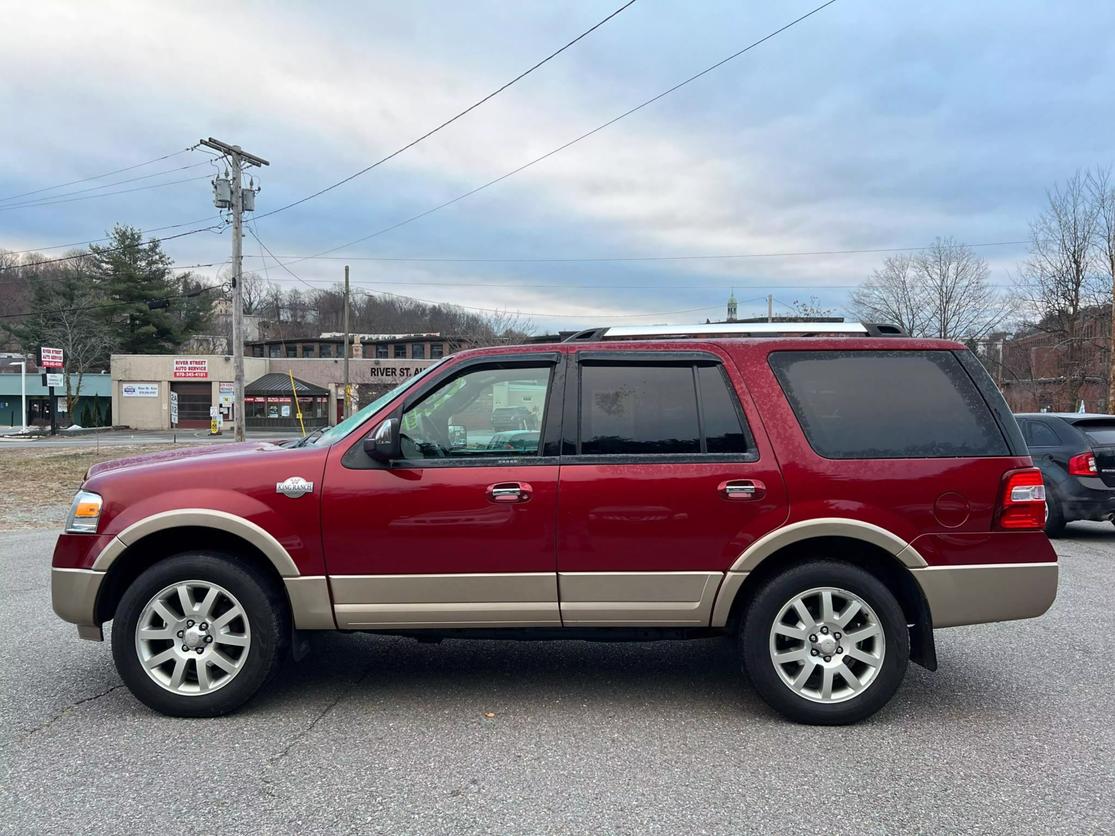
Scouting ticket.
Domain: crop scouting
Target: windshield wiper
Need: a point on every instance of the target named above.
(320, 431)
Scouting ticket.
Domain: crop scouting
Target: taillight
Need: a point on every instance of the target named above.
(1083, 464)
(1023, 502)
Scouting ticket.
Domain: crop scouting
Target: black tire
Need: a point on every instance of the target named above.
(759, 620)
(1054, 516)
(263, 603)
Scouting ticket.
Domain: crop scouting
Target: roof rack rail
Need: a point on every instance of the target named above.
(737, 329)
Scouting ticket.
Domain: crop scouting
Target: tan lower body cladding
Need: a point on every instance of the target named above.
(638, 599)
(588, 599)
(402, 602)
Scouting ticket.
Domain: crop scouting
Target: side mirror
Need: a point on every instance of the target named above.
(384, 444)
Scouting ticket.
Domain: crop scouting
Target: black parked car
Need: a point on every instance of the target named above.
(1076, 454)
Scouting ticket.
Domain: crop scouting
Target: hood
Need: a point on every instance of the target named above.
(178, 454)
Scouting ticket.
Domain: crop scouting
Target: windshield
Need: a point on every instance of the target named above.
(339, 431)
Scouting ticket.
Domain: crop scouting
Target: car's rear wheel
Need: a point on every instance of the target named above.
(1054, 516)
(198, 634)
(825, 642)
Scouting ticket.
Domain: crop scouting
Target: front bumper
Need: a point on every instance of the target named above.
(73, 594)
(980, 593)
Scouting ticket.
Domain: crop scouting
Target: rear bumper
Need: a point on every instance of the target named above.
(73, 594)
(980, 593)
(1085, 498)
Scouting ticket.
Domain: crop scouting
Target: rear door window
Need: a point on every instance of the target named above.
(1042, 436)
(887, 404)
(672, 409)
(635, 410)
(720, 414)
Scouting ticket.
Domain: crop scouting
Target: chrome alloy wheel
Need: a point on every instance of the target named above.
(193, 637)
(827, 645)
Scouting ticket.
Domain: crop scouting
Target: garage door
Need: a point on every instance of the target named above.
(194, 400)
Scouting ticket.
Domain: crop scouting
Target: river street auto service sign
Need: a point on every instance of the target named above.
(188, 367)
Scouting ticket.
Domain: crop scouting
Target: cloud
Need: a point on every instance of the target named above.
(864, 127)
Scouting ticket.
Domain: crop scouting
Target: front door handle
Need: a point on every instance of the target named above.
(506, 492)
(742, 489)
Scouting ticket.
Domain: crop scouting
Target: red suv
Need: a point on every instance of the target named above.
(828, 498)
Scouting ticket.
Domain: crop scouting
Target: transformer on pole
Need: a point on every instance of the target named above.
(229, 193)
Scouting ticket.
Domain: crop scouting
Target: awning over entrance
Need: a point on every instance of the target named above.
(268, 403)
(278, 384)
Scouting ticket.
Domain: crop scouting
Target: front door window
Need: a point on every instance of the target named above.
(483, 413)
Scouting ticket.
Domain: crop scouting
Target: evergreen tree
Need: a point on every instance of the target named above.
(129, 273)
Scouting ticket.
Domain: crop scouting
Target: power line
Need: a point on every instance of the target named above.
(52, 198)
(252, 230)
(104, 194)
(580, 314)
(583, 136)
(106, 238)
(97, 176)
(613, 259)
(82, 308)
(598, 285)
(453, 119)
(76, 256)
(473, 307)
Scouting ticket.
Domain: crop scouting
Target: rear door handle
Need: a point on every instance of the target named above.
(742, 489)
(506, 492)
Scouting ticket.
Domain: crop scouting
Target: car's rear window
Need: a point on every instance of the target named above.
(1098, 433)
(887, 404)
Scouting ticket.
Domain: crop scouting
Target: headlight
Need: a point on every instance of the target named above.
(85, 513)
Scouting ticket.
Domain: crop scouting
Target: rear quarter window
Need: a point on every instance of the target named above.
(887, 404)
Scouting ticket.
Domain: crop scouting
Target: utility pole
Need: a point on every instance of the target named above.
(237, 158)
(344, 364)
(770, 307)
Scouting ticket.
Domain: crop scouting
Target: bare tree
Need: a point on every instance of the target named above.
(253, 290)
(63, 302)
(15, 282)
(507, 327)
(941, 292)
(1102, 190)
(1059, 277)
(893, 294)
(962, 304)
(811, 308)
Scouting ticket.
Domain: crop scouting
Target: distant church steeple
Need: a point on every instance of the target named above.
(732, 306)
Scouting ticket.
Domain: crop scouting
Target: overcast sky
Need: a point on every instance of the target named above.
(869, 125)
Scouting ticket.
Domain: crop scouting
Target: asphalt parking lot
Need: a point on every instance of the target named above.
(380, 735)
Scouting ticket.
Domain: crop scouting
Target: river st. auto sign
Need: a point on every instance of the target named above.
(50, 358)
(187, 367)
(388, 372)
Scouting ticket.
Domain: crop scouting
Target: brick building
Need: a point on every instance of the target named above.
(1040, 369)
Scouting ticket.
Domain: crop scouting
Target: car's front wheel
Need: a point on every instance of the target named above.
(825, 642)
(198, 634)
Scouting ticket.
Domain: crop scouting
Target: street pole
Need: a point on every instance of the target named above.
(237, 297)
(344, 364)
(237, 157)
(23, 391)
(770, 307)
